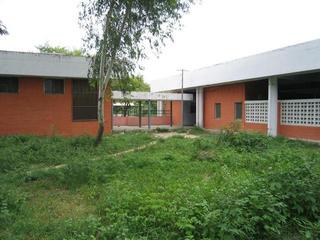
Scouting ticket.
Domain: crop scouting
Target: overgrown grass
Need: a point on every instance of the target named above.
(237, 186)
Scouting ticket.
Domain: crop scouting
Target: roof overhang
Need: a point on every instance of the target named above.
(118, 95)
(43, 65)
(301, 58)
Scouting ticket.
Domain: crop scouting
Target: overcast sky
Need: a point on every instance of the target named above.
(215, 31)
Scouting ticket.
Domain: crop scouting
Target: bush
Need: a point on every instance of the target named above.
(245, 142)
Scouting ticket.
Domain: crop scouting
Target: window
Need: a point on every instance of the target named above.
(9, 85)
(217, 110)
(54, 86)
(85, 98)
(238, 110)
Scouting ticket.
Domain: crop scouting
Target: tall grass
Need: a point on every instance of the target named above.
(240, 186)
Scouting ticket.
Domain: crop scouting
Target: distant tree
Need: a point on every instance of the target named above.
(3, 29)
(46, 48)
(118, 31)
(129, 84)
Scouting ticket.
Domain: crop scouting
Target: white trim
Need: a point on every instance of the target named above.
(300, 58)
(300, 100)
(258, 101)
(118, 95)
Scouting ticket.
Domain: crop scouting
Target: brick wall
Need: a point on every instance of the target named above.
(134, 121)
(176, 112)
(227, 95)
(30, 111)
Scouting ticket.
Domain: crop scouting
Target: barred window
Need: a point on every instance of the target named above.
(85, 105)
(9, 85)
(238, 110)
(217, 110)
(54, 86)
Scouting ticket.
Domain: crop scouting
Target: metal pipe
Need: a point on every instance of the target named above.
(171, 117)
(149, 113)
(140, 122)
(112, 115)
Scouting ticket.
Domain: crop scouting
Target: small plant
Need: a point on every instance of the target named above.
(243, 141)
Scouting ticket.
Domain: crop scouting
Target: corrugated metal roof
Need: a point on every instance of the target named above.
(44, 65)
(298, 58)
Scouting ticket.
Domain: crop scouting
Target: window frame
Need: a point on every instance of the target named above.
(235, 110)
(215, 110)
(52, 93)
(73, 105)
(18, 84)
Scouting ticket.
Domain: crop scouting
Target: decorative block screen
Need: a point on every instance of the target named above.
(256, 111)
(300, 112)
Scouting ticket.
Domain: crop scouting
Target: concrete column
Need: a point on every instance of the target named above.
(273, 107)
(159, 108)
(199, 107)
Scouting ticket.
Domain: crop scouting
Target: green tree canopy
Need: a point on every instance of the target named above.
(119, 32)
(130, 84)
(46, 48)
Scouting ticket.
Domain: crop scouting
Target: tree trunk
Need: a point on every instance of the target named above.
(100, 115)
(104, 77)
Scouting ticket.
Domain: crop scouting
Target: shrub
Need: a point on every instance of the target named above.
(299, 188)
(245, 142)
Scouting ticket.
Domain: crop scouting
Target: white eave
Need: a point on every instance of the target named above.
(43, 65)
(300, 58)
(118, 95)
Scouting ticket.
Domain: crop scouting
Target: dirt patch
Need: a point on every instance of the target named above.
(166, 135)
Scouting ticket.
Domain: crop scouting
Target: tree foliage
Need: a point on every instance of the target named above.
(3, 29)
(46, 48)
(130, 84)
(119, 31)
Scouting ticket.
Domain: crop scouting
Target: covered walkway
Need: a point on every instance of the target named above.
(145, 110)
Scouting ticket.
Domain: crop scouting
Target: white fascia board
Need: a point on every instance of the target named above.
(304, 57)
(118, 95)
(43, 65)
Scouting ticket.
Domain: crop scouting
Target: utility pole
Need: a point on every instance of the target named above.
(182, 78)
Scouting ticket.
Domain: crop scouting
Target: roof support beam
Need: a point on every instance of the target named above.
(118, 95)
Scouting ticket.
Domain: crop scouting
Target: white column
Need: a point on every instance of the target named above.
(199, 107)
(159, 108)
(273, 106)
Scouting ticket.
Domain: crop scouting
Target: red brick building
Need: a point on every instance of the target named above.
(46, 94)
(277, 92)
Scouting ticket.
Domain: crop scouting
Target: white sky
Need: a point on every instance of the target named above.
(214, 31)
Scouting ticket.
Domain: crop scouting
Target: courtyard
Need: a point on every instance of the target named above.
(182, 184)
